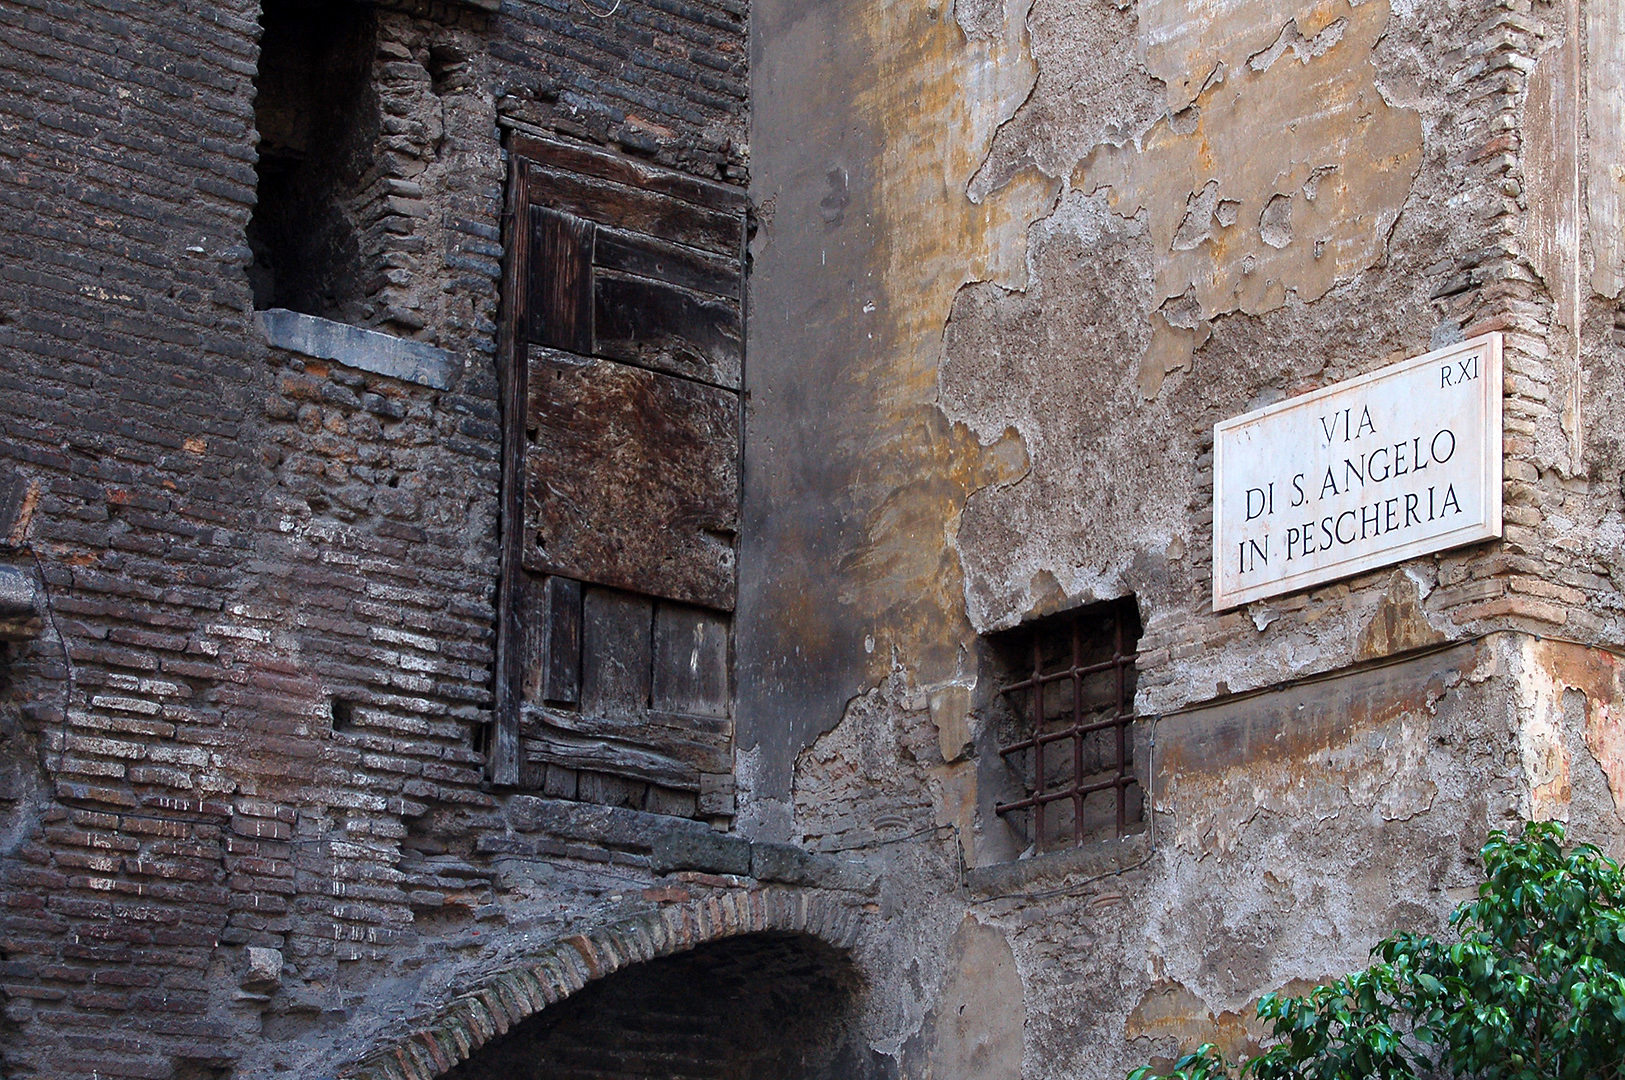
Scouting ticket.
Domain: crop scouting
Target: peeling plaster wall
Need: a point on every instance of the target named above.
(872, 119)
(1013, 262)
(987, 357)
(1293, 829)
(1283, 174)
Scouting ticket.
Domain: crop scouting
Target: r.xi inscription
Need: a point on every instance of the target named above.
(1401, 462)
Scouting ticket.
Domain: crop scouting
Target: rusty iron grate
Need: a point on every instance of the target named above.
(1074, 703)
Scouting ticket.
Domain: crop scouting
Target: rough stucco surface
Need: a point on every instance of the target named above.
(853, 475)
(1605, 125)
(1139, 327)
(1293, 829)
(1283, 174)
(1241, 202)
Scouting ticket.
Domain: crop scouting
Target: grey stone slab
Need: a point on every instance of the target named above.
(367, 350)
(793, 866)
(709, 852)
(18, 592)
(607, 826)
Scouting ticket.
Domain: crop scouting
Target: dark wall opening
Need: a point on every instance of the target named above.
(1066, 725)
(317, 123)
(779, 1006)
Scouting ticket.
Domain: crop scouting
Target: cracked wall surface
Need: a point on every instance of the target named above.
(853, 476)
(1211, 208)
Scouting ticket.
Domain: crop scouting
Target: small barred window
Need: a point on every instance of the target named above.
(1068, 736)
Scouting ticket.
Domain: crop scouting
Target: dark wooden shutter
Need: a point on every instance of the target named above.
(560, 283)
(622, 357)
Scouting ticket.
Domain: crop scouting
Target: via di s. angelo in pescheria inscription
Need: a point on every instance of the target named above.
(1403, 461)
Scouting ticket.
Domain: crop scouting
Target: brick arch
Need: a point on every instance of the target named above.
(564, 966)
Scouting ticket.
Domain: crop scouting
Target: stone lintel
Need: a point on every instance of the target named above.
(366, 350)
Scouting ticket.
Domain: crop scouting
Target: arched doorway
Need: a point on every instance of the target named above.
(775, 1004)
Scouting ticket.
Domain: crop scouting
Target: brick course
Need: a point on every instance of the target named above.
(252, 720)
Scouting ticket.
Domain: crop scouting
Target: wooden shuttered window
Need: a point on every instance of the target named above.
(622, 352)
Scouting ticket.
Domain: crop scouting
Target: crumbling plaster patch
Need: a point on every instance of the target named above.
(1382, 772)
(850, 455)
(1566, 699)
(1091, 88)
(975, 1030)
(1117, 497)
(1605, 128)
(1023, 361)
(1279, 168)
(959, 76)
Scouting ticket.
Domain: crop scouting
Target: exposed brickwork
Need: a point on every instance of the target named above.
(127, 372)
(695, 1016)
(666, 77)
(242, 760)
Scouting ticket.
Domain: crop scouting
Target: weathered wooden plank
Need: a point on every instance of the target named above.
(637, 210)
(690, 671)
(668, 329)
(671, 263)
(612, 756)
(709, 730)
(502, 747)
(606, 790)
(631, 479)
(560, 312)
(552, 620)
(620, 757)
(690, 725)
(652, 728)
(631, 172)
(616, 632)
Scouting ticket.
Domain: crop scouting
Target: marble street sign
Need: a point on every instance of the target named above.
(1403, 461)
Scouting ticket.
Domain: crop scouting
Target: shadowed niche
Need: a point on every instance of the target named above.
(748, 1008)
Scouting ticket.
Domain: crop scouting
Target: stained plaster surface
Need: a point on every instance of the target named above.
(984, 370)
(1293, 829)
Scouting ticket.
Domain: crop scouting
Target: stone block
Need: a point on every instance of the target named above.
(264, 968)
(791, 865)
(368, 350)
(710, 852)
(19, 618)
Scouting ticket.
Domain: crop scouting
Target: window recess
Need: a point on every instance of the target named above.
(357, 106)
(1068, 728)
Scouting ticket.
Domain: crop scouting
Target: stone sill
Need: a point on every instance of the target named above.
(1096, 858)
(366, 350)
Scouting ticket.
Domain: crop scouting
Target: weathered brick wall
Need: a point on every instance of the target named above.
(129, 372)
(243, 769)
(659, 77)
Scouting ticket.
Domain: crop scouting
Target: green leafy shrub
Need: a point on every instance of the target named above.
(1528, 985)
